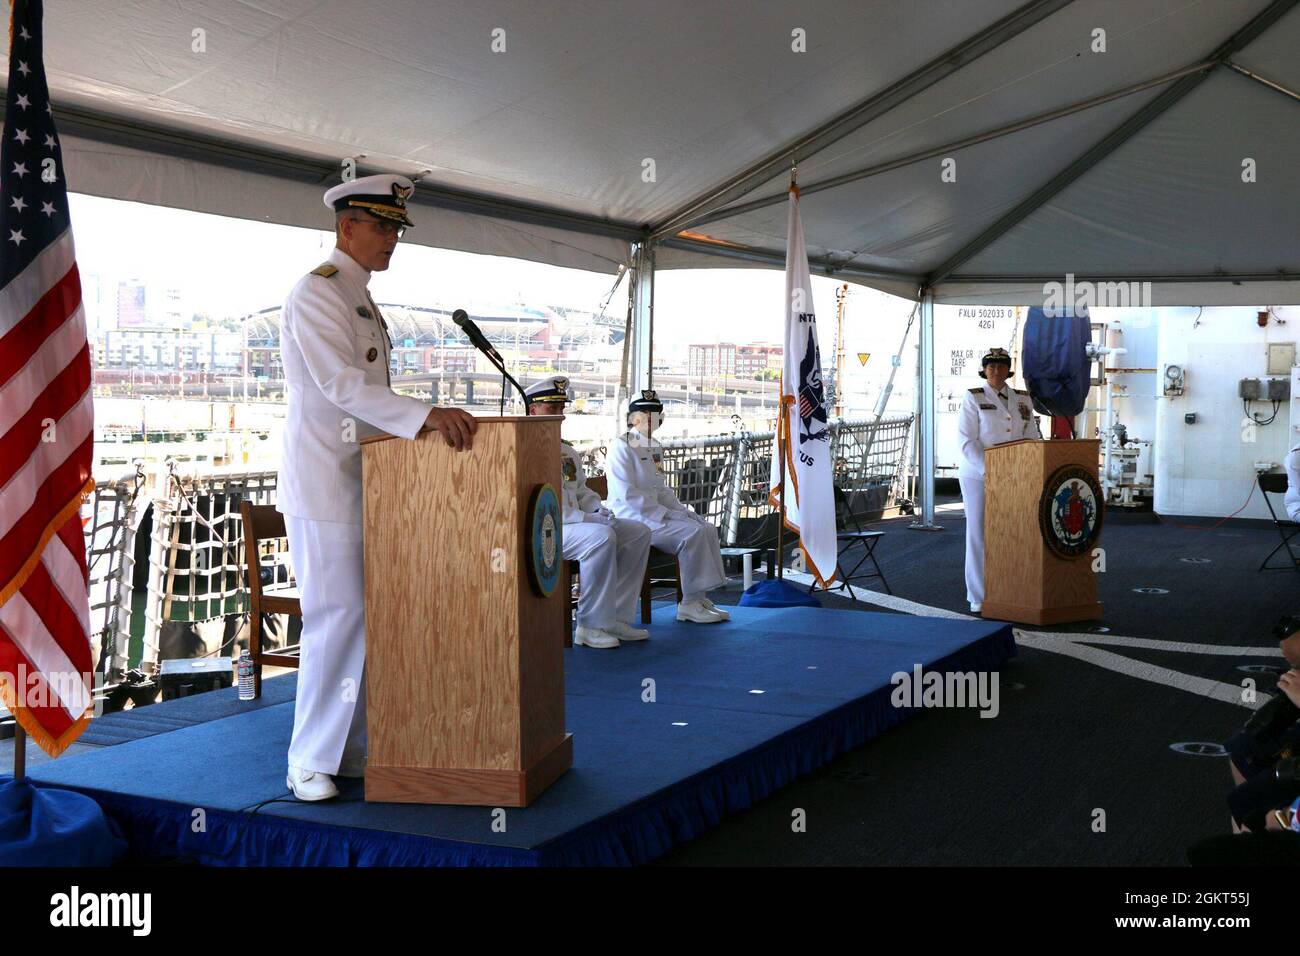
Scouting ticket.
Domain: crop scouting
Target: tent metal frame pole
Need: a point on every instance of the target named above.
(1111, 142)
(641, 372)
(822, 266)
(1251, 74)
(874, 106)
(964, 143)
(212, 150)
(926, 425)
(1140, 277)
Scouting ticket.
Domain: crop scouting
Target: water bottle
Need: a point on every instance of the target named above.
(244, 671)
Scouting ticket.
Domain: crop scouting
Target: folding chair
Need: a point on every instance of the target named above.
(847, 539)
(264, 523)
(1276, 483)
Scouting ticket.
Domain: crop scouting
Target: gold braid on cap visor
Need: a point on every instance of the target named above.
(385, 212)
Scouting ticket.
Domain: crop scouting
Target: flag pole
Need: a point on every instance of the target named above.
(783, 437)
(20, 750)
(780, 525)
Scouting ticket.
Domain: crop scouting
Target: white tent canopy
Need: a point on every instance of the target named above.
(1123, 164)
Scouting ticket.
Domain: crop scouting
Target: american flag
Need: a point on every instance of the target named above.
(46, 416)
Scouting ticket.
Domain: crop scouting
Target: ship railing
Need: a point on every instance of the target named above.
(187, 530)
(727, 478)
(166, 553)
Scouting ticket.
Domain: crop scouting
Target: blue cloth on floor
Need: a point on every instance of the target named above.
(50, 827)
(775, 592)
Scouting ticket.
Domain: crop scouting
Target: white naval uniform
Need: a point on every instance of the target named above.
(1292, 500)
(637, 491)
(611, 552)
(335, 353)
(986, 419)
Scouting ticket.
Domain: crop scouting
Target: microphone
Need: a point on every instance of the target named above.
(476, 337)
(480, 342)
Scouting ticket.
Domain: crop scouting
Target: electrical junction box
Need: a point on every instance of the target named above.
(1281, 356)
(1279, 389)
(1249, 389)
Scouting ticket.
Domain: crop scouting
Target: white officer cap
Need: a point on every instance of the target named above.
(554, 389)
(383, 196)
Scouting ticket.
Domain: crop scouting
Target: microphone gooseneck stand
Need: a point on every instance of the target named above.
(480, 342)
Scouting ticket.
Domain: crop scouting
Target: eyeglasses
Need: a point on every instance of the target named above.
(385, 228)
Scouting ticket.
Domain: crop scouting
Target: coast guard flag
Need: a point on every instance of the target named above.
(802, 433)
(46, 426)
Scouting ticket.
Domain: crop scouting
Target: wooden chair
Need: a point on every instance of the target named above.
(600, 485)
(670, 573)
(264, 523)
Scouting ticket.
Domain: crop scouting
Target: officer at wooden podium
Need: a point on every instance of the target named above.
(991, 414)
(335, 348)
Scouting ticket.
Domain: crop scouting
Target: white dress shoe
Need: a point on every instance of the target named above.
(975, 608)
(697, 613)
(626, 632)
(310, 785)
(594, 637)
(725, 615)
(352, 768)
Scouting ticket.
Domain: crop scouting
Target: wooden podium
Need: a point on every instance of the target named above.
(464, 661)
(1025, 578)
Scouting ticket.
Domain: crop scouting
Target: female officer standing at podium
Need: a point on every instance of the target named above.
(990, 415)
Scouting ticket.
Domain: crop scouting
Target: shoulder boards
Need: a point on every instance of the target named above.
(325, 269)
(977, 390)
(1020, 391)
(565, 441)
(987, 407)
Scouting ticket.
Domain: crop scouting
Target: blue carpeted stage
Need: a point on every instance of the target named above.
(646, 776)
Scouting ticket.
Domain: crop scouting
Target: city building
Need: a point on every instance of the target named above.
(723, 360)
(715, 360)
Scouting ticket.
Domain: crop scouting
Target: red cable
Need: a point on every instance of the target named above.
(1198, 527)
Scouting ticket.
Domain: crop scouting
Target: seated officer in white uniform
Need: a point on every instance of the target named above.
(335, 348)
(1292, 500)
(611, 553)
(990, 415)
(637, 491)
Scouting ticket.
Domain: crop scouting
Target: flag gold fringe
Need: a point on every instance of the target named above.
(53, 746)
